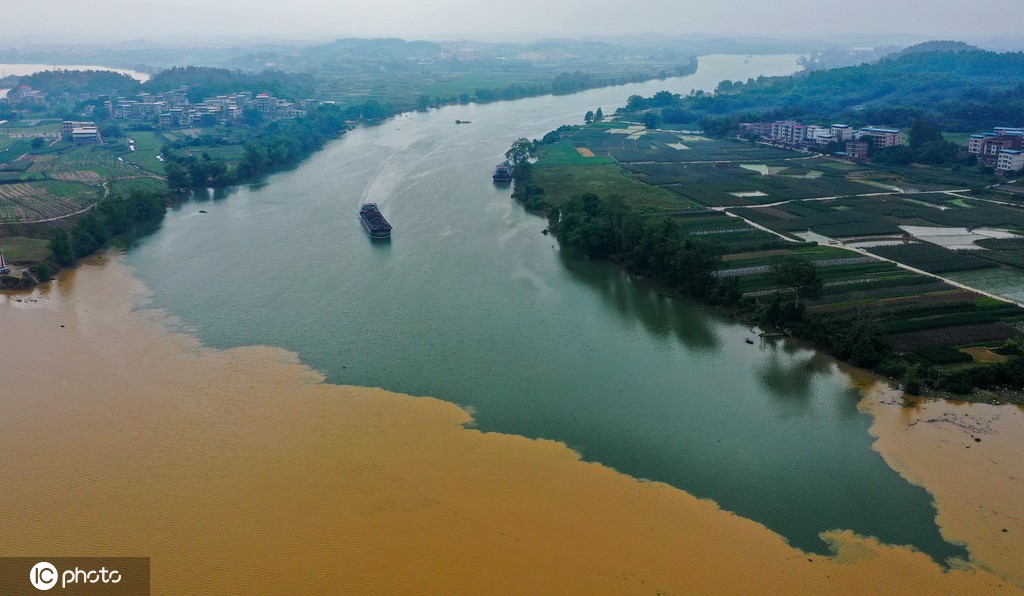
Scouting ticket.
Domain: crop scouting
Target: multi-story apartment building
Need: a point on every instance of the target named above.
(857, 150)
(787, 131)
(1010, 160)
(80, 132)
(988, 146)
(760, 129)
(880, 138)
(842, 132)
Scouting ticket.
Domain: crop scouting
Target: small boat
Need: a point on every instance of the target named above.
(503, 172)
(748, 340)
(374, 223)
(4, 269)
(463, 122)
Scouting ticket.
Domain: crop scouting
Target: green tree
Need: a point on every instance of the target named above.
(177, 177)
(665, 98)
(598, 115)
(60, 246)
(520, 152)
(252, 117)
(922, 133)
(913, 380)
(651, 119)
(43, 272)
(797, 273)
(588, 117)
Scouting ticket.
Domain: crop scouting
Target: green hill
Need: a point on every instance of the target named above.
(964, 90)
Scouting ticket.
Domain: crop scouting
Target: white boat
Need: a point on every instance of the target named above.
(4, 269)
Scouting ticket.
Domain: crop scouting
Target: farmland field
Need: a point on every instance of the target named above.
(1001, 281)
(789, 192)
(931, 258)
(20, 248)
(151, 184)
(28, 202)
(570, 173)
(147, 147)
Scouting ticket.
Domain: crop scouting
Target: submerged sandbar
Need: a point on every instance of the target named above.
(123, 437)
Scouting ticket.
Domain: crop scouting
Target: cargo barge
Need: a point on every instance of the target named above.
(374, 223)
(502, 172)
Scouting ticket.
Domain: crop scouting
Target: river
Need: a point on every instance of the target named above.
(470, 303)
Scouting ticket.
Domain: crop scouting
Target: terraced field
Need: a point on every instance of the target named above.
(29, 202)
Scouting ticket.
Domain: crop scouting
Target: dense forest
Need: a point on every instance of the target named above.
(964, 91)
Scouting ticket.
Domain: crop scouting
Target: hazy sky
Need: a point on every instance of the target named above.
(73, 20)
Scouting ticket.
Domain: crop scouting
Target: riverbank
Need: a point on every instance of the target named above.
(244, 464)
(654, 205)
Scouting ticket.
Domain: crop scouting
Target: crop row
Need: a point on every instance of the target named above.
(939, 355)
(952, 336)
(889, 287)
(949, 320)
(979, 214)
(930, 257)
(32, 202)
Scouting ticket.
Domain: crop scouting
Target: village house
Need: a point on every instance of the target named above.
(25, 96)
(172, 109)
(80, 132)
(880, 138)
(1000, 148)
(857, 143)
(857, 150)
(1010, 160)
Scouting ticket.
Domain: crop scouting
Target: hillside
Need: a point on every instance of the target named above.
(961, 91)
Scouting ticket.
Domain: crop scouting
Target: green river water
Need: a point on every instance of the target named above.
(470, 303)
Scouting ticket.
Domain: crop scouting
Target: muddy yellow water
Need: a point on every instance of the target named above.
(971, 458)
(241, 472)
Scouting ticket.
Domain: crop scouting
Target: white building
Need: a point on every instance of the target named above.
(86, 134)
(787, 131)
(80, 132)
(1010, 160)
(880, 138)
(842, 132)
